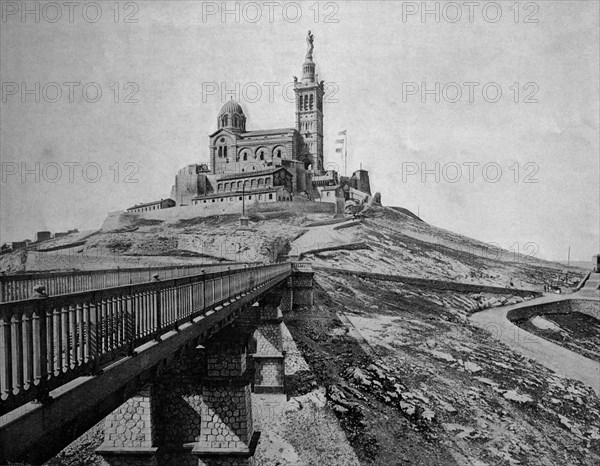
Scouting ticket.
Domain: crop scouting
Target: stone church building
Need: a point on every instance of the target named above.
(273, 165)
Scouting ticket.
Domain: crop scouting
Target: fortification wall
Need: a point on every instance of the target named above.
(124, 220)
(119, 220)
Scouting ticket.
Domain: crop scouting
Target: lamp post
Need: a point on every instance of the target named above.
(244, 198)
(244, 221)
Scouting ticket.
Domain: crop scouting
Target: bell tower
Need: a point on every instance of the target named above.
(309, 111)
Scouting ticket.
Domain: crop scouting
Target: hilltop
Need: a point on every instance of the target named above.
(386, 240)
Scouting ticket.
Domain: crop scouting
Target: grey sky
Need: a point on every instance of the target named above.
(369, 57)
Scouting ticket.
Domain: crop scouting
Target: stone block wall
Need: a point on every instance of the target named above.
(269, 339)
(129, 432)
(302, 289)
(118, 219)
(561, 306)
(303, 297)
(180, 413)
(269, 373)
(269, 357)
(227, 434)
(226, 417)
(287, 301)
(226, 365)
(130, 425)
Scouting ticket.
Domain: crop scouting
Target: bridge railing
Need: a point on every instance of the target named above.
(47, 342)
(20, 286)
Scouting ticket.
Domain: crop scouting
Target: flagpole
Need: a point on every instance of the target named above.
(346, 154)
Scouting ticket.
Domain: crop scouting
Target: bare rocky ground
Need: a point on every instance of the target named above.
(413, 382)
(388, 373)
(153, 243)
(390, 240)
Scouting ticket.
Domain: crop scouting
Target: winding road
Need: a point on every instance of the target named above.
(564, 362)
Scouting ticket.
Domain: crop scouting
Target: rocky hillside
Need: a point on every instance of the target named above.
(384, 240)
(412, 382)
(399, 373)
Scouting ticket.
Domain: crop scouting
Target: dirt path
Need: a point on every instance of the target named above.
(318, 237)
(561, 360)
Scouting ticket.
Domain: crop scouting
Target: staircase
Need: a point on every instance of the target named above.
(591, 287)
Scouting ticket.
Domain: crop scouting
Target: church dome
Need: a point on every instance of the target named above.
(231, 107)
(232, 117)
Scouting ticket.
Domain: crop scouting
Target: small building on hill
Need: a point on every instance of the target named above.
(42, 236)
(156, 205)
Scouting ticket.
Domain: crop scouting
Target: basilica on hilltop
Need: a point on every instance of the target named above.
(266, 166)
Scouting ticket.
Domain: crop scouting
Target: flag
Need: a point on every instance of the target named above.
(340, 142)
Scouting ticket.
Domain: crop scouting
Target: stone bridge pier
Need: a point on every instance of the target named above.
(197, 410)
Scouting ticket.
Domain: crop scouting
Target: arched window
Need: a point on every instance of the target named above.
(253, 183)
(262, 155)
(311, 102)
(225, 120)
(239, 185)
(305, 102)
(260, 182)
(235, 120)
(279, 153)
(225, 151)
(220, 151)
(245, 156)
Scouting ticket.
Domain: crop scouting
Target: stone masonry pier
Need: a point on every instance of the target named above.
(198, 411)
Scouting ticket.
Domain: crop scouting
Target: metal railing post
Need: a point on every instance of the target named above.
(157, 305)
(130, 322)
(203, 292)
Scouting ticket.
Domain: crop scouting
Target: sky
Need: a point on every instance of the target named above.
(486, 124)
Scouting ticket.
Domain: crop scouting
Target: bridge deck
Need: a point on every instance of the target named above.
(46, 343)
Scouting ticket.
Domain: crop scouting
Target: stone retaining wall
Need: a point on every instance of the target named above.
(116, 220)
(567, 306)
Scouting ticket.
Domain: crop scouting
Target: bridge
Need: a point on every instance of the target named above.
(168, 364)
(17, 287)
